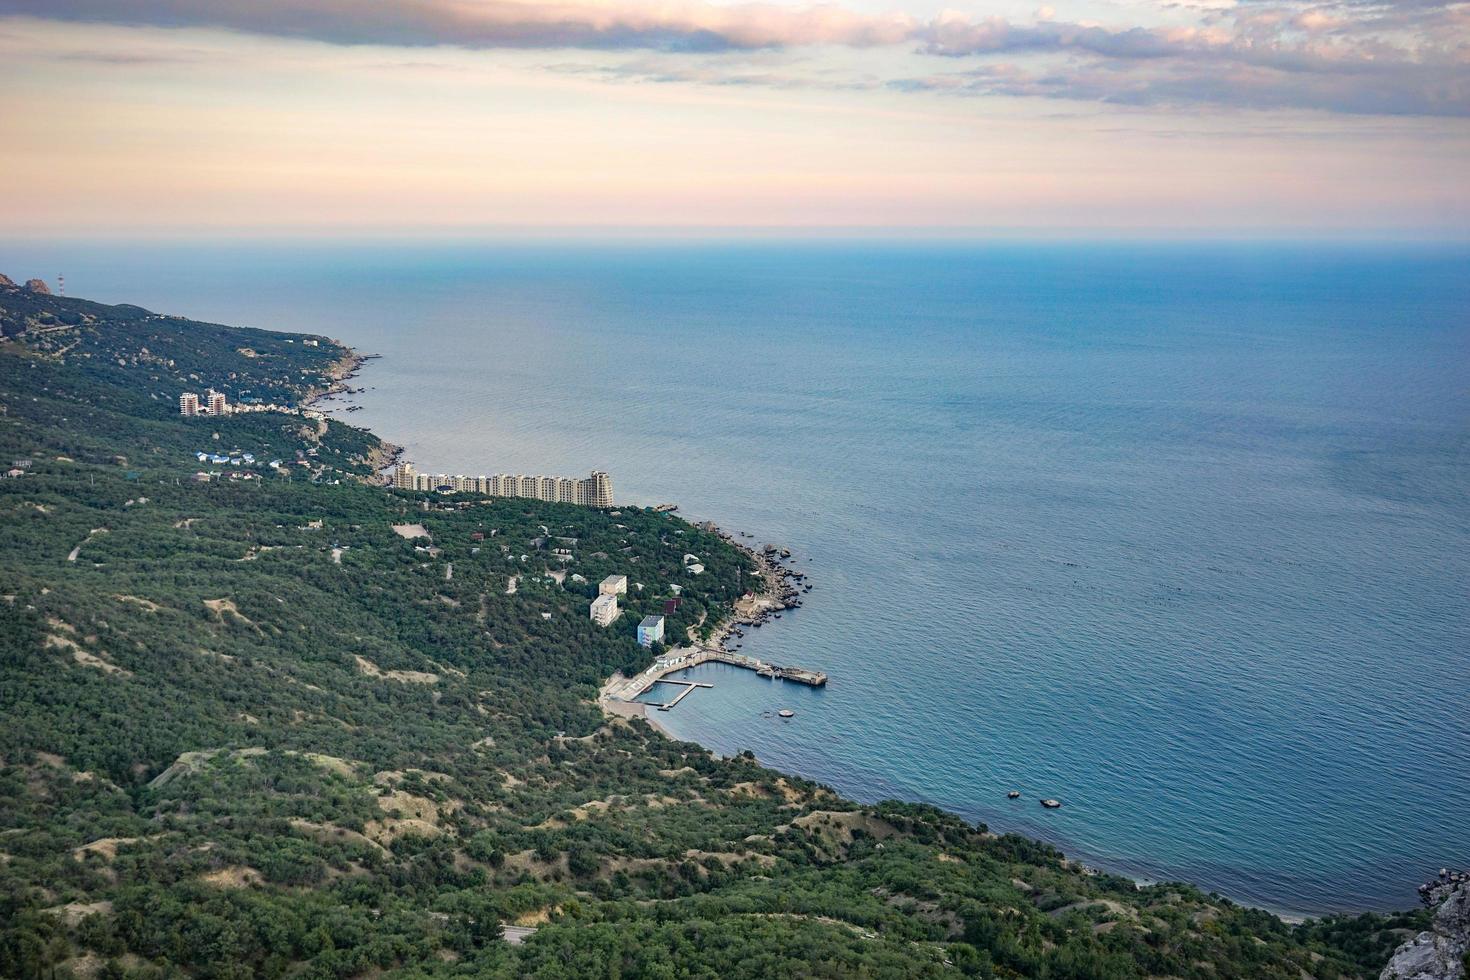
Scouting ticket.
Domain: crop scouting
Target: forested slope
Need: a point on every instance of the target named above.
(251, 730)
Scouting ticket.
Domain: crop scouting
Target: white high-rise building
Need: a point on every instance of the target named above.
(404, 478)
(216, 405)
(189, 403)
(596, 490)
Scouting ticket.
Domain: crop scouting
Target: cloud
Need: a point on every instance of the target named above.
(1353, 56)
(668, 26)
(1177, 85)
(1253, 56)
(661, 70)
(132, 59)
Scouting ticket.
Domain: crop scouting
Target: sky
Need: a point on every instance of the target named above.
(1330, 118)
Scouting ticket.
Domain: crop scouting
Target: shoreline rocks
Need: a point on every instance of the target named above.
(1441, 952)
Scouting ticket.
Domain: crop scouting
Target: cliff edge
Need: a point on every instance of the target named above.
(1441, 952)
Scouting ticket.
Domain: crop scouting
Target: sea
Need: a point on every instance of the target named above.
(1175, 533)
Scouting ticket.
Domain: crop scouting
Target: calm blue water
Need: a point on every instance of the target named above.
(1179, 534)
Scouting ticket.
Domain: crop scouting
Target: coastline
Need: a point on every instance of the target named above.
(778, 594)
(385, 455)
(778, 591)
(775, 575)
(628, 710)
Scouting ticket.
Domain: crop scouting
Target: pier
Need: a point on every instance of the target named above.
(686, 657)
(688, 686)
(799, 675)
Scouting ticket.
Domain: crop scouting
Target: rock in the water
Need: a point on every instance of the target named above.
(1440, 953)
(38, 286)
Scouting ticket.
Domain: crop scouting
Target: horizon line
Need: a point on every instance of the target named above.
(488, 234)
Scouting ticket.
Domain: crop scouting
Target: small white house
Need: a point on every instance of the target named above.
(614, 585)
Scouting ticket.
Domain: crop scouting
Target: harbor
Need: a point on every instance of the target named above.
(631, 688)
(784, 589)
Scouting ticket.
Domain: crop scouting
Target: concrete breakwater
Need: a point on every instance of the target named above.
(630, 688)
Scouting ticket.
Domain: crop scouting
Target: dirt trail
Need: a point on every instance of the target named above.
(90, 535)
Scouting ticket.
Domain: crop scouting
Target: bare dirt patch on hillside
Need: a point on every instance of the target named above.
(139, 601)
(235, 876)
(86, 658)
(189, 763)
(405, 813)
(836, 829)
(104, 847)
(220, 608)
(330, 833)
(370, 669)
(74, 912)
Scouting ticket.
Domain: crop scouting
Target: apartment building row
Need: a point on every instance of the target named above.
(592, 491)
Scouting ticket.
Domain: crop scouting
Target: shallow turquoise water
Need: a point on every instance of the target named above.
(1176, 534)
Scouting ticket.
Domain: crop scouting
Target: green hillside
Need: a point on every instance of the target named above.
(250, 730)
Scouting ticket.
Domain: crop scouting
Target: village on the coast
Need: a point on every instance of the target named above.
(783, 592)
(785, 588)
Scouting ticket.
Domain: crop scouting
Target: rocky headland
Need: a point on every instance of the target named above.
(1440, 952)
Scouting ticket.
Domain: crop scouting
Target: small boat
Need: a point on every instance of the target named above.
(786, 713)
(1013, 795)
(1051, 804)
